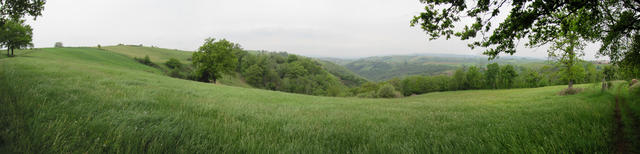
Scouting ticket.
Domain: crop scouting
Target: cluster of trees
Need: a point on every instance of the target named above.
(267, 70)
(492, 76)
(59, 45)
(289, 73)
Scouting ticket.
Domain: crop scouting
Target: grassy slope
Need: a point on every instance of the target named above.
(155, 54)
(87, 100)
(160, 55)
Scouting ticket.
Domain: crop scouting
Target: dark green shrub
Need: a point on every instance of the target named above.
(146, 60)
(388, 91)
(176, 73)
(173, 63)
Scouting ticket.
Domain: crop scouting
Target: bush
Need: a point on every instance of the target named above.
(388, 91)
(570, 91)
(58, 45)
(174, 63)
(146, 60)
(176, 73)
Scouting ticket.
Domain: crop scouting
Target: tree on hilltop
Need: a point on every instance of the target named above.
(214, 58)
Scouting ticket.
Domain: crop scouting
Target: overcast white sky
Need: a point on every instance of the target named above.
(321, 28)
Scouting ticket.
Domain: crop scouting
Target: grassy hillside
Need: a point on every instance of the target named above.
(387, 67)
(161, 55)
(86, 100)
(156, 54)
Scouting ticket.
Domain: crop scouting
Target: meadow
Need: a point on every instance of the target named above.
(89, 100)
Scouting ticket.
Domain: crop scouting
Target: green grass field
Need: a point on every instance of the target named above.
(155, 54)
(87, 100)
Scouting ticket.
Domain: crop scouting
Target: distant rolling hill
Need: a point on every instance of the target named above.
(382, 68)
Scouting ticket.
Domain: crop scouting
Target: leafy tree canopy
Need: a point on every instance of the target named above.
(16, 9)
(613, 22)
(215, 58)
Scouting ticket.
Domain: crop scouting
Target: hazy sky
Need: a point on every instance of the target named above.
(325, 28)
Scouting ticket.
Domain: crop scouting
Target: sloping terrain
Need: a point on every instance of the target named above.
(348, 78)
(87, 100)
(161, 55)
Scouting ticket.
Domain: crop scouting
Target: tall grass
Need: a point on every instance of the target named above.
(79, 100)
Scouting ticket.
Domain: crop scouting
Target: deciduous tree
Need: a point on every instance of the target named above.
(214, 58)
(507, 76)
(492, 73)
(474, 78)
(14, 34)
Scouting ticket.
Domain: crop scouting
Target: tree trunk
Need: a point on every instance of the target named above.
(605, 86)
(8, 52)
(12, 52)
(570, 84)
(214, 80)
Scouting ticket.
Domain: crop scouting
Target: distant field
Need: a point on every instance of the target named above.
(87, 100)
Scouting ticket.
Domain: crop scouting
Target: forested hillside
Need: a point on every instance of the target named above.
(388, 67)
(348, 77)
